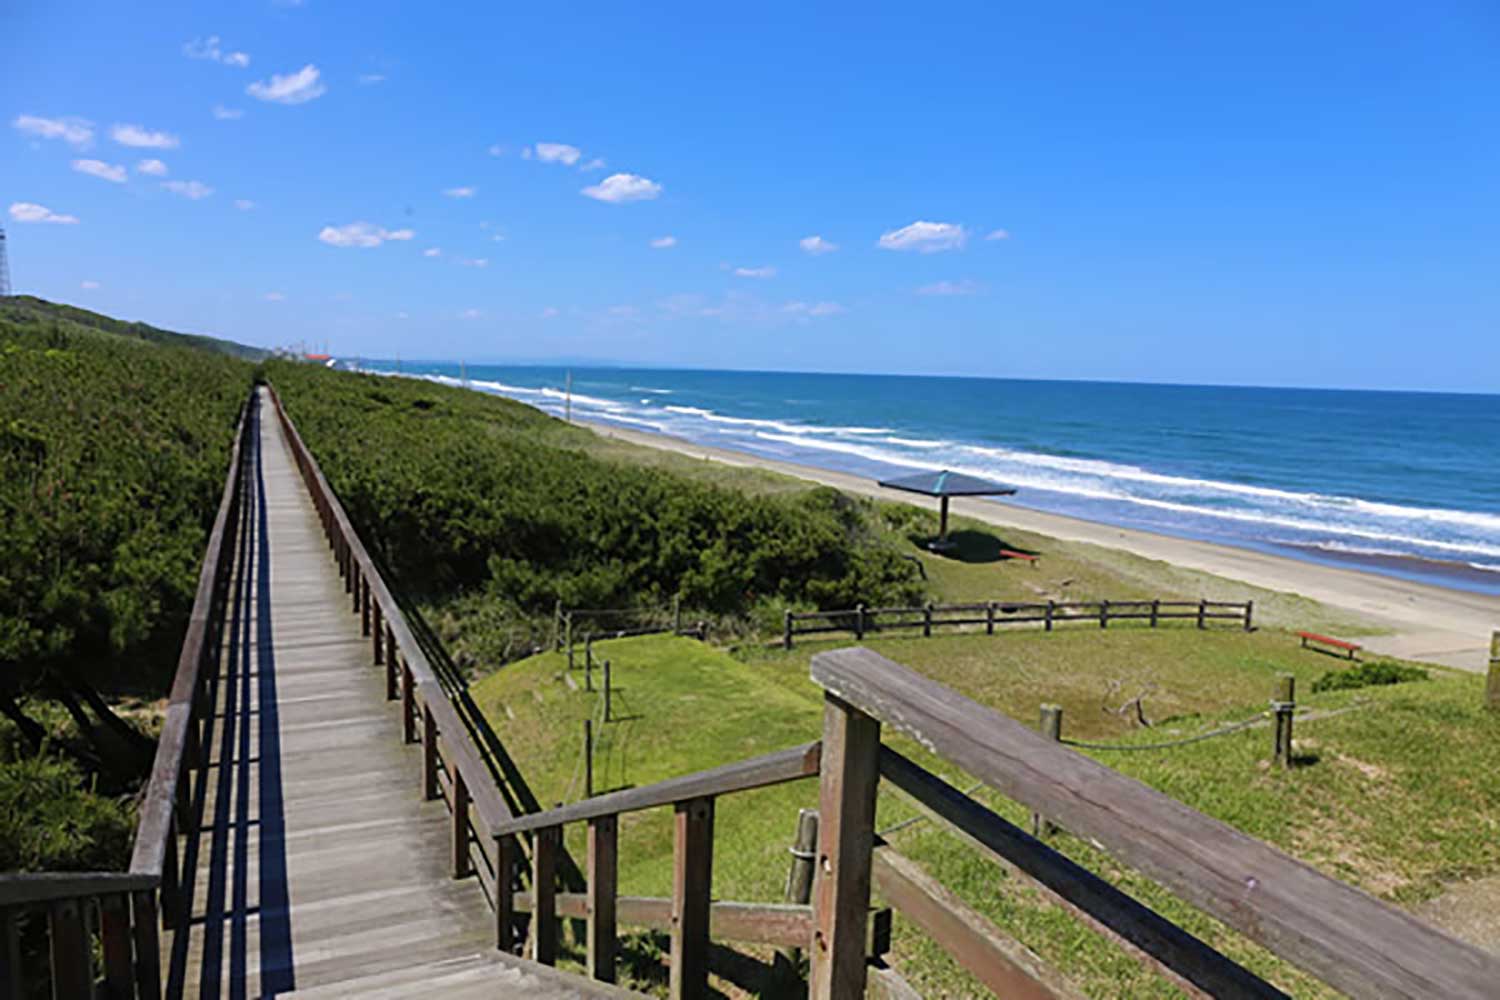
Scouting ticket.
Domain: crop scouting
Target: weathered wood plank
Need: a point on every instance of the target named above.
(603, 889)
(544, 848)
(780, 924)
(692, 881)
(1332, 930)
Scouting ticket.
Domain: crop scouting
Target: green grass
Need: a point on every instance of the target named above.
(1374, 803)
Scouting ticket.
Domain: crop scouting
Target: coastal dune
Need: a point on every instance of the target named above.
(1414, 620)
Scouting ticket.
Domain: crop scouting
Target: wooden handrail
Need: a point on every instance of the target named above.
(154, 827)
(480, 784)
(30, 888)
(1339, 934)
(756, 772)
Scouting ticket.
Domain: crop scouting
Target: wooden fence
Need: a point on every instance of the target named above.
(116, 914)
(993, 614)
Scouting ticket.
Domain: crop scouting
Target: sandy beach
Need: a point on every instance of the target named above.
(1430, 623)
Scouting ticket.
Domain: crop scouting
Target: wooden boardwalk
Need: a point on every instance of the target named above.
(320, 870)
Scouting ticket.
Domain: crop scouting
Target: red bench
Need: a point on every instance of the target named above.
(1024, 556)
(1326, 640)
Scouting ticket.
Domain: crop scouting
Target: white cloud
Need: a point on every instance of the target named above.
(223, 114)
(623, 312)
(244, 204)
(369, 78)
(496, 149)
(620, 188)
(73, 131)
(275, 296)
(211, 48)
(25, 211)
(663, 242)
(816, 245)
(153, 168)
(88, 286)
(555, 152)
(432, 252)
(361, 234)
(460, 192)
(755, 272)
(470, 314)
(191, 190)
(925, 237)
(498, 238)
(142, 138)
(551, 312)
(965, 287)
(595, 164)
(998, 234)
(813, 308)
(98, 168)
(476, 262)
(293, 88)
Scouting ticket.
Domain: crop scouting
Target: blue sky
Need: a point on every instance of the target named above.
(1292, 194)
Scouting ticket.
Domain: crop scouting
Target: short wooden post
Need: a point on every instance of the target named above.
(850, 774)
(429, 754)
(408, 705)
(1155, 611)
(989, 618)
(557, 614)
(364, 608)
(392, 665)
(379, 630)
(1249, 616)
(608, 708)
(72, 970)
(588, 664)
(570, 657)
(859, 621)
(1051, 610)
(603, 862)
(1492, 685)
(692, 878)
(786, 632)
(588, 758)
(463, 867)
(568, 629)
(1051, 728)
(1284, 704)
(544, 847)
(507, 852)
(1202, 610)
(114, 934)
(1104, 614)
(927, 620)
(147, 944)
(799, 883)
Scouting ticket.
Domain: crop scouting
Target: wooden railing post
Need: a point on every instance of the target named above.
(147, 945)
(927, 620)
(379, 643)
(356, 585)
(850, 772)
(114, 934)
(859, 621)
(392, 665)
(544, 847)
(1051, 728)
(786, 632)
(989, 618)
(692, 879)
(1155, 611)
(1104, 614)
(429, 754)
(72, 970)
(507, 853)
(799, 883)
(1202, 610)
(1051, 608)
(408, 705)
(364, 608)
(462, 866)
(1249, 616)
(1284, 704)
(603, 872)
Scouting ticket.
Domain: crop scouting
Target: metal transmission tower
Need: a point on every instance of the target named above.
(4, 266)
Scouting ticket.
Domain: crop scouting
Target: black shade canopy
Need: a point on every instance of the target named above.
(948, 484)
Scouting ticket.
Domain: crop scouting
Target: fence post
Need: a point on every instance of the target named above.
(799, 883)
(1155, 611)
(1249, 615)
(692, 883)
(588, 664)
(507, 850)
(1051, 728)
(391, 665)
(544, 847)
(846, 836)
(557, 614)
(786, 635)
(379, 632)
(588, 758)
(1051, 605)
(1104, 614)
(462, 867)
(676, 613)
(603, 862)
(927, 620)
(1284, 704)
(1492, 686)
(1202, 610)
(364, 608)
(408, 706)
(859, 621)
(429, 754)
(568, 633)
(989, 618)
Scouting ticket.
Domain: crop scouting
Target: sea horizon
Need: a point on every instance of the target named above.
(1381, 480)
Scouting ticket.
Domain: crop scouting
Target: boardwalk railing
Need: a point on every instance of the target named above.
(1338, 934)
(993, 614)
(121, 910)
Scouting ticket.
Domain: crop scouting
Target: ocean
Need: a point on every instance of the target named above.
(1401, 483)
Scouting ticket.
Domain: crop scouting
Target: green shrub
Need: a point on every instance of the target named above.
(1368, 675)
(50, 822)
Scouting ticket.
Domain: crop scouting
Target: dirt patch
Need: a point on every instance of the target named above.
(1468, 910)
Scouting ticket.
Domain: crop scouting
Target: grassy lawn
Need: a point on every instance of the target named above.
(1375, 802)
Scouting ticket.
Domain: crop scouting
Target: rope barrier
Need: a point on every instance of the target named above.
(1222, 731)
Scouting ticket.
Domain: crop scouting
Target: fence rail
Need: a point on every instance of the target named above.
(998, 614)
